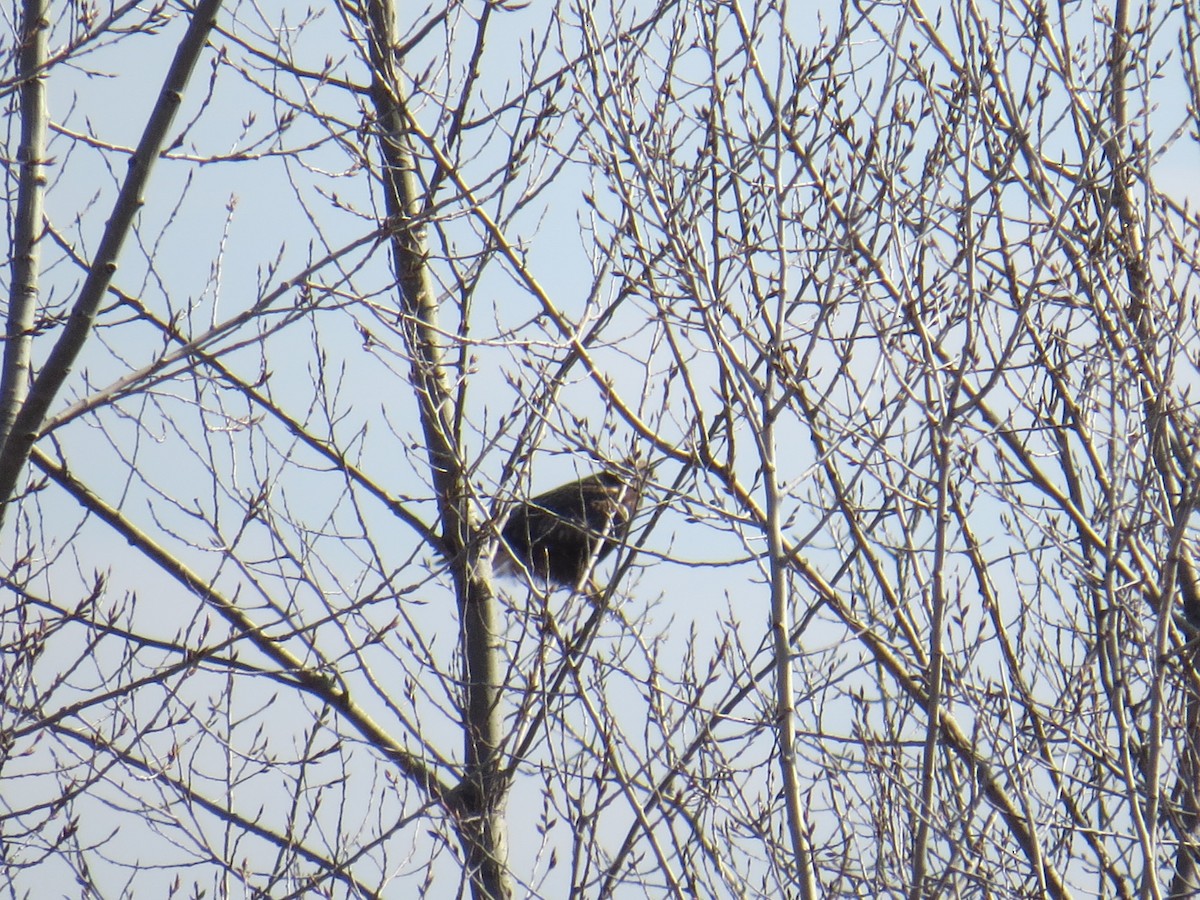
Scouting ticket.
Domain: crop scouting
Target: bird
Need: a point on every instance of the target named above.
(1189, 588)
(557, 536)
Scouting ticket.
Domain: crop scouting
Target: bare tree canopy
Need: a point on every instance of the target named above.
(821, 377)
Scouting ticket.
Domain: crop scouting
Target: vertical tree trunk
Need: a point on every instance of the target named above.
(1186, 882)
(481, 796)
(27, 225)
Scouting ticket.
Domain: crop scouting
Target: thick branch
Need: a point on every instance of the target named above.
(49, 382)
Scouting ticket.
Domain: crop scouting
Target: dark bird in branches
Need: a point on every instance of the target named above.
(557, 536)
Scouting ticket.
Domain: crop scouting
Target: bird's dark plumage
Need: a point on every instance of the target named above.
(556, 534)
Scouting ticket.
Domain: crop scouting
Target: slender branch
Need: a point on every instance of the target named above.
(323, 685)
(326, 867)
